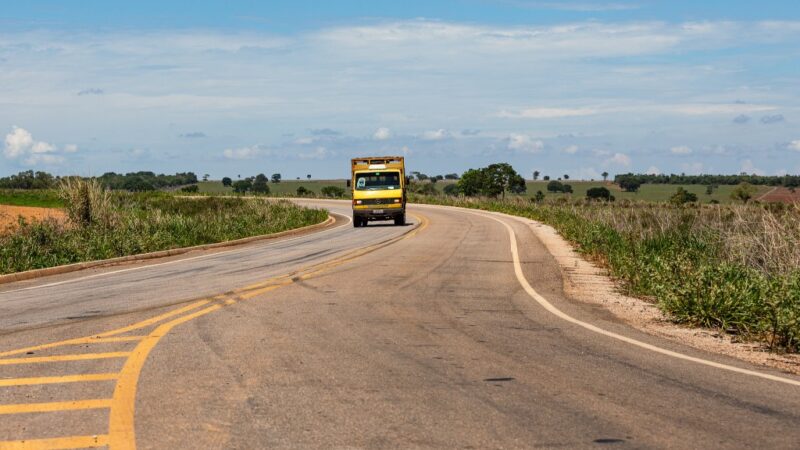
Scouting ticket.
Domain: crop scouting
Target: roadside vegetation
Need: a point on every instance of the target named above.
(731, 267)
(104, 224)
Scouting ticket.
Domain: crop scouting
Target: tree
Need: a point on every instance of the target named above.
(605, 176)
(242, 186)
(190, 188)
(421, 176)
(302, 191)
(451, 189)
(629, 183)
(137, 184)
(682, 196)
(598, 193)
(332, 191)
(501, 177)
(451, 176)
(260, 184)
(205, 177)
(567, 189)
(433, 180)
(546, 178)
(276, 178)
(308, 177)
(744, 192)
(226, 181)
(471, 182)
(555, 186)
(566, 177)
(539, 197)
(535, 175)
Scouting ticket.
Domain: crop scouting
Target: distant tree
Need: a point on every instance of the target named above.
(682, 196)
(226, 181)
(421, 176)
(629, 183)
(501, 177)
(710, 189)
(535, 175)
(242, 186)
(744, 192)
(471, 182)
(302, 191)
(539, 197)
(605, 176)
(308, 177)
(555, 186)
(137, 184)
(567, 189)
(433, 180)
(332, 191)
(451, 176)
(298, 178)
(260, 184)
(276, 178)
(451, 189)
(191, 188)
(566, 177)
(205, 177)
(546, 178)
(598, 193)
(439, 177)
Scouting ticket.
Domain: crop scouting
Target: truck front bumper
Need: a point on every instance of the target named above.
(378, 213)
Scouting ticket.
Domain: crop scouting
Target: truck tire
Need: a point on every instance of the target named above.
(356, 222)
(400, 220)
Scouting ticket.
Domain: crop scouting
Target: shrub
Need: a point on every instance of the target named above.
(682, 196)
(332, 191)
(192, 188)
(598, 193)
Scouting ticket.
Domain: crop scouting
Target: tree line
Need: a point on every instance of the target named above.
(706, 179)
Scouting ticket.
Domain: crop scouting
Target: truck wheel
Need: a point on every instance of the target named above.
(400, 220)
(356, 222)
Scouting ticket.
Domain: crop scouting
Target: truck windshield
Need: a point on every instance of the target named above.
(374, 181)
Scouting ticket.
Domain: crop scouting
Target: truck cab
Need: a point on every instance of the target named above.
(378, 189)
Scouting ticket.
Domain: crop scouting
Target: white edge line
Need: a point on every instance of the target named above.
(564, 316)
(114, 272)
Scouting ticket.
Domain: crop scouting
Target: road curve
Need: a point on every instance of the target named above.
(417, 336)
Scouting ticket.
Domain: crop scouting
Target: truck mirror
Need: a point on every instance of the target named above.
(349, 183)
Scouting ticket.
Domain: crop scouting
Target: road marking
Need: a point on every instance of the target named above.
(562, 315)
(58, 380)
(62, 358)
(55, 406)
(120, 425)
(57, 443)
(130, 269)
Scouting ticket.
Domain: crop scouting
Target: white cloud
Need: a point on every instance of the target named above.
(653, 170)
(20, 146)
(620, 159)
(749, 167)
(524, 143)
(382, 134)
(318, 153)
(70, 148)
(251, 152)
(304, 140)
(681, 150)
(795, 145)
(571, 150)
(548, 113)
(436, 135)
(693, 168)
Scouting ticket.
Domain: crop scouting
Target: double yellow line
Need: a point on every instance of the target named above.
(121, 433)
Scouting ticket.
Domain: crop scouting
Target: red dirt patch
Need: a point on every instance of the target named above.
(781, 195)
(9, 215)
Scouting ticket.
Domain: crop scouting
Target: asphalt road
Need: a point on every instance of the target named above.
(377, 337)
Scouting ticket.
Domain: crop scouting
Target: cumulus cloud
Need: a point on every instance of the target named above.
(619, 159)
(795, 145)
(382, 134)
(749, 167)
(681, 150)
(653, 170)
(193, 135)
(241, 153)
(570, 150)
(741, 119)
(774, 118)
(22, 147)
(524, 144)
(436, 135)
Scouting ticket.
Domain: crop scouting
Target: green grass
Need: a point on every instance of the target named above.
(35, 197)
(714, 266)
(283, 189)
(147, 222)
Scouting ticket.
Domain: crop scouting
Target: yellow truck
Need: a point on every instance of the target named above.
(379, 189)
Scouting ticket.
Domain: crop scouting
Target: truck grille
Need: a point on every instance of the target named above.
(378, 201)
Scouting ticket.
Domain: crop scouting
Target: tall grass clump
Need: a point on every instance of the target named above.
(731, 267)
(105, 225)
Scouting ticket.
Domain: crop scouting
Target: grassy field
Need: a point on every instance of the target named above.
(34, 197)
(104, 225)
(731, 267)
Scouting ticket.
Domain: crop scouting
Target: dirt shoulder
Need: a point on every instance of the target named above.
(586, 282)
(9, 215)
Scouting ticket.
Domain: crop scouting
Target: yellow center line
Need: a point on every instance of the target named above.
(55, 406)
(57, 443)
(56, 380)
(60, 358)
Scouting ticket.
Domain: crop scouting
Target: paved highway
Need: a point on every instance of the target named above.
(452, 331)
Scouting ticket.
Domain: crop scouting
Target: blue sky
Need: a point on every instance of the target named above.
(227, 88)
